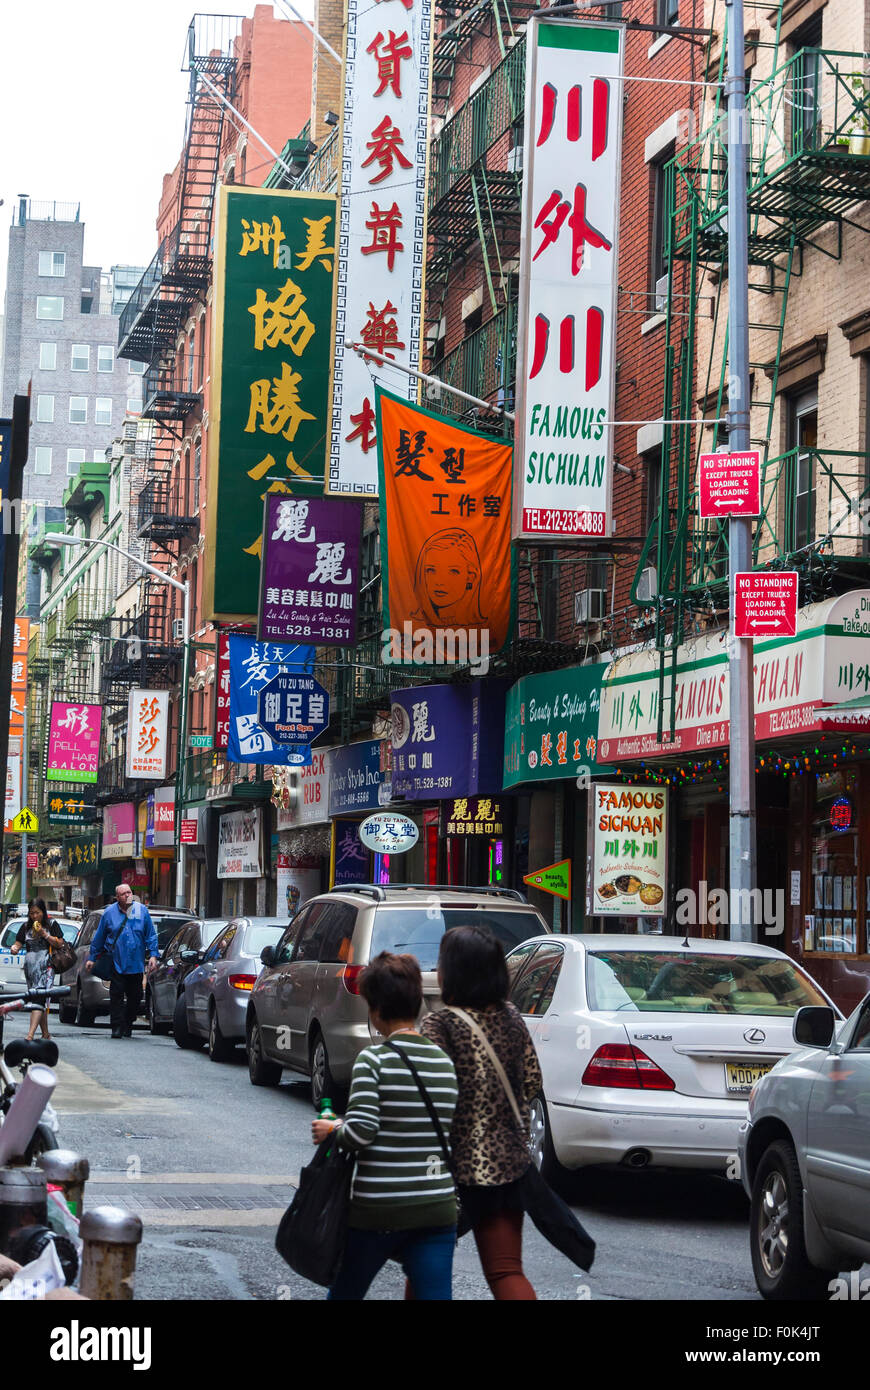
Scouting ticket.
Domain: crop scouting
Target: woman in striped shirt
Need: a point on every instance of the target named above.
(403, 1203)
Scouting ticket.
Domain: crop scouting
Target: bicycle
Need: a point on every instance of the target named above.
(22, 1053)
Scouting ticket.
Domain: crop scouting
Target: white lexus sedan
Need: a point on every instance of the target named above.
(650, 1045)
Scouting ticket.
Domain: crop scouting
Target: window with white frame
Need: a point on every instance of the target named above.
(52, 263)
(99, 456)
(78, 410)
(80, 357)
(45, 409)
(49, 306)
(48, 357)
(134, 405)
(74, 459)
(103, 410)
(105, 358)
(42, 459)
(138, 368)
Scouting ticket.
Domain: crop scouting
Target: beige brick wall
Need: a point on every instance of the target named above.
(326, 91)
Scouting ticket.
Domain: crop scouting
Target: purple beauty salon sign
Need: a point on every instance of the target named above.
(310, 574)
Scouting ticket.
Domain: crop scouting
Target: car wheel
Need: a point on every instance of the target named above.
(776, 1224)
(66, 1012)
(182, 1034)
(154, 1027)
(541, 1150)
(261, 1071)
(44, 1139)
(219, 1048)
(323, 1084)
(84, 1018)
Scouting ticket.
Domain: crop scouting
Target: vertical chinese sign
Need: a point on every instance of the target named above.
(15, 793)
(270, 390)
(568, 273)
(222, 692)
(147, 734)
(73, 742)
(311, 579)
(445, 501)
(382, 237)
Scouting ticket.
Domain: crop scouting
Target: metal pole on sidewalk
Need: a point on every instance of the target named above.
(25, 793)
(741, 810)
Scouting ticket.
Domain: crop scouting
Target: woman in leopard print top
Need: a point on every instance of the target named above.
(490, 1152)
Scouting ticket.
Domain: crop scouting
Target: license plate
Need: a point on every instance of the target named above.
(740, 1077)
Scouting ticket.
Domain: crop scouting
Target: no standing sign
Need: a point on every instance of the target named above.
(765, 604)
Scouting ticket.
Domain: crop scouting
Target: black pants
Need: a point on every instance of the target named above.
(125, 996)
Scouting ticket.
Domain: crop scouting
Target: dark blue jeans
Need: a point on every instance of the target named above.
(425, 1254)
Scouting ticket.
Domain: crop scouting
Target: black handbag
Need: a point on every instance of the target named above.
(461, 1225)
(104, 966)
(313, 1229)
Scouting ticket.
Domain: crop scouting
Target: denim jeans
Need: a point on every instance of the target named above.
(425, 1254)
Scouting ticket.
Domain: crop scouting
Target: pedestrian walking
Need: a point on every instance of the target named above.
(37, 936)
(126, 934)
(490, 1150)
(403, 1203)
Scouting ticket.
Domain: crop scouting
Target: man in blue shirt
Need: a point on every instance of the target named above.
(127, 933)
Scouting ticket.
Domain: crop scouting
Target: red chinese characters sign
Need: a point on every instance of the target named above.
(729, 485)
(765, 604)
(381, 245)
(222, 692)
(565, 372)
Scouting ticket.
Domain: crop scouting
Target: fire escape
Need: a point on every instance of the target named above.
(809, 166)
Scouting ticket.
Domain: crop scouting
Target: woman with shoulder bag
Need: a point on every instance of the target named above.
(490, 1148)
(402, 1099)
(38, 935)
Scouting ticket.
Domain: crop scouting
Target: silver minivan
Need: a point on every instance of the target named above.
(305, 1011)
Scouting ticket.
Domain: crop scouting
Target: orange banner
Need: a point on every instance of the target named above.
(19, 675)
(445, 500)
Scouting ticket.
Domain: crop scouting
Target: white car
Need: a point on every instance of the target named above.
(12, 967)
(805, 1161)
(650, 1045)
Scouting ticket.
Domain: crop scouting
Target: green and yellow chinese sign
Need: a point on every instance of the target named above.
(271, 375)
(82, 854)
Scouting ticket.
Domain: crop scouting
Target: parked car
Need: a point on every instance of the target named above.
(213, 1002)
(649, 1046)
(182, 953)
(12, 967)
(89, 996)
(805, 1158)
(305, 1011)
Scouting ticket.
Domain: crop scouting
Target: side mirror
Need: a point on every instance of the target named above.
(267, 955)
(814, 1026)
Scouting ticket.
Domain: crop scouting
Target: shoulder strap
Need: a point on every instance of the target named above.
(490, 1052)
(427, 1101)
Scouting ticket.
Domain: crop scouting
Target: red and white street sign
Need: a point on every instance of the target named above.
(189, 830)
(32, 860)
(730, 485)
(765, 604)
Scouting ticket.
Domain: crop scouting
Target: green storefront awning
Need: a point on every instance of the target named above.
(551, 725)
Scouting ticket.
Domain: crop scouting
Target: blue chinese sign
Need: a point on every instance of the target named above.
(253, 665)
(447, 740)
(293, 709)
(355, 778)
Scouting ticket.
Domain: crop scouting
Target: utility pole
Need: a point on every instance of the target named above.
(12, 522)
(741, 809)
(25, 796)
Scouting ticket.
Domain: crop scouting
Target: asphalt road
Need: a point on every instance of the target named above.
(208, 1162)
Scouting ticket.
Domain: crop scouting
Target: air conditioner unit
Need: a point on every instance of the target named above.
(647, 584)
(589, 606)
(661, 294)
(178, 629)
(515, 159)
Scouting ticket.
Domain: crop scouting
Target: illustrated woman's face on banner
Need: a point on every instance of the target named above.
(446, 575)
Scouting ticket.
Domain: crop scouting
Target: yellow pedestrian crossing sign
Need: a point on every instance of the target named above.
(25, 823)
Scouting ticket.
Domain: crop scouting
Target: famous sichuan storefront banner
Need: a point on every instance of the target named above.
(445, 500)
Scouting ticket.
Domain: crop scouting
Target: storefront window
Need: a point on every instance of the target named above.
(834, 923)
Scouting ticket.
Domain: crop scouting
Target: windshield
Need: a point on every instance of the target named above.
(690, 982)
(415, 932)
(166, 927)
(258, 937)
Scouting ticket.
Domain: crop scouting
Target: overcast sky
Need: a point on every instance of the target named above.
(92, 110)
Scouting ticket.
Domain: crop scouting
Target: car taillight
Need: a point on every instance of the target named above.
(619, 1064)
(243, 981)
(350, 977)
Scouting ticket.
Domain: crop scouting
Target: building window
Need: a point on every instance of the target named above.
(197, 473)
(668, 12)
(134, 405)
(80, 357)
(78, 410)
(99, 456)
(45, 409)
(105, 358)
(74, 459)
(52, 263)
(803, 438)
(42, 459)
(49, 306)
(103, 410)
(138, 368)
(658, 232)
(48, 357)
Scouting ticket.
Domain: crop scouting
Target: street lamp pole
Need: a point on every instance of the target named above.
(183, 587)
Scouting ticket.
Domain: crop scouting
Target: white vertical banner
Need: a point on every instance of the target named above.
(148, 734)
(382, 224)
(563, 451)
